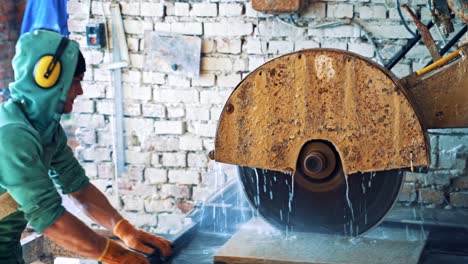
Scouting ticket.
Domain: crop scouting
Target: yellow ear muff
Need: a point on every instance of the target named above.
(45, 77)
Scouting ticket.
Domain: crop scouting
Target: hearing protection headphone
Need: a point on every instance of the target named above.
(48, 68)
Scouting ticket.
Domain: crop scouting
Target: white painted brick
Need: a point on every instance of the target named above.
(130, 8)
(189, 28)
(136, 26)
(105, 170)
(363, 49)
(418, 52)
(91, 120)
(208, 143)
(255, 62)
(277, 29)
(138, 157)
(134, 173)
(401, 70)
(184, 176)
(340, 10)
(204, 80)
(231, 80)
(131, 76)
(305, 44)
(280, 47)
(132, 203)
(105, 107)
(77, 8)
(241, 65)
(345, 31)
(155, 206)
(216, 64)
(95, 154)
(169, 127)
(93, 57)
(418, 65)
(196, 160)
(138, 125)
(372, 12)
(155, 176)
(181, 9)
(215, 113)
(426, 15)
(160, 143)
(190, 142)
(133, 44)
(198, 113)
(132, 108)
(154, 77)
(175, 191)
(235, 29)
(169, 8)
(314, 10)
(388, 31)
(101, 75)
(174, 159)
(137, 92)
(232, 46)
(77, 26)
(103, 138)
(230, 9)
(156, 160)
(203, 129)
(137, 61)
(175, 96)
(334, 44)
(393, 14)
(100, 8)
(85, 136)
(162, 27)
(204, 9)
(255, 46)
(154, 110)
(175, 112)
(208, 46)
(176, 80)
(214, 97)
(83, 106)
(152, 9)
(90, 169)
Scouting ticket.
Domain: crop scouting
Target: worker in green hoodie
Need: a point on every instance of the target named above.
(35, 161)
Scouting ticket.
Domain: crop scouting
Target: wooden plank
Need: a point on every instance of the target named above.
(277, 6)
(257, 242)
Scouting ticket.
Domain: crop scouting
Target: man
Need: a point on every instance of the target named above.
(35, 159)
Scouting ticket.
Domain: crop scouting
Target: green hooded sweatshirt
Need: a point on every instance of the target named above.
(34, 156)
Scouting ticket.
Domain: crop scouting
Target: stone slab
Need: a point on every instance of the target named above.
(257, 242)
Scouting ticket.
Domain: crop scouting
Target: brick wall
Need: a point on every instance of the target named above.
(11, 13)
(171, 120)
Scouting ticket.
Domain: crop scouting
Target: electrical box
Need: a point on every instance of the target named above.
(96, 35)
(277, 6)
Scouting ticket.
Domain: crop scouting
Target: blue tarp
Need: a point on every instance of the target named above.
(46, 14)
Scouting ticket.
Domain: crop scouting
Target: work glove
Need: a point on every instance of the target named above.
(140, 240)
(116, 254)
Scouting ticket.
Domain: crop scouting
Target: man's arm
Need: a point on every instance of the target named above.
(96, 206)
(70, 233)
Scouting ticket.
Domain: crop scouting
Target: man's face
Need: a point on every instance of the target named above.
(75, 90)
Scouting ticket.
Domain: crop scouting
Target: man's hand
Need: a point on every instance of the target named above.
(116, 254)
(140, 240)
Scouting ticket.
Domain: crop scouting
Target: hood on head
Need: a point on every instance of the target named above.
(43, 106)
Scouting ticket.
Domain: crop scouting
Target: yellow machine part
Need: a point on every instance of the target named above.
(321, 94)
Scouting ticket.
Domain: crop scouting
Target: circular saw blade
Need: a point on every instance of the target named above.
(355, 205)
